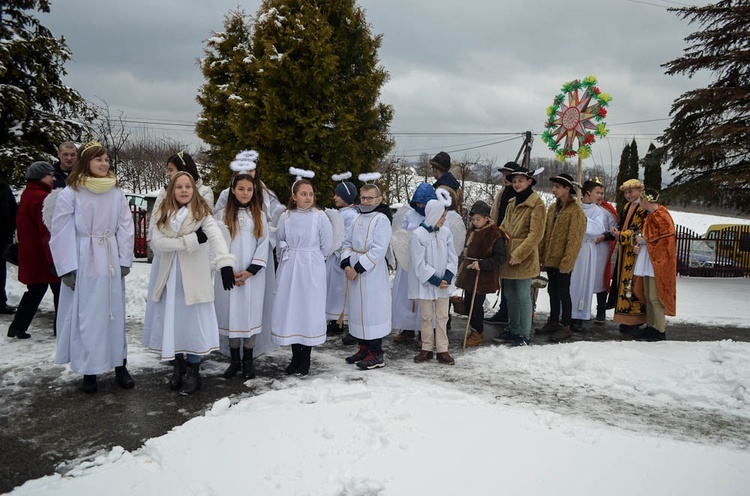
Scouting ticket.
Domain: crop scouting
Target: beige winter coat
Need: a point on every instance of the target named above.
(195, 266)
(563, 240)
(524, 224)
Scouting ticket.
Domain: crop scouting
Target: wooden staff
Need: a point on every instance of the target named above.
(471, 309)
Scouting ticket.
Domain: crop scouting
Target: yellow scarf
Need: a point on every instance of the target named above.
(99, 185)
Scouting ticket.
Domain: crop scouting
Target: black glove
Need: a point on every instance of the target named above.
(202, 238)
(227, 278)
(69, 280)
(124, 271)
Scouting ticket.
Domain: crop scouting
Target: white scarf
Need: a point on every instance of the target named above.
(176, 220)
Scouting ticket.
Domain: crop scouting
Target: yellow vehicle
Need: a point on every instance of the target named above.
(731, 243)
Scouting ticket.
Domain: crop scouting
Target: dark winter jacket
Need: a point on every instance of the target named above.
(34, 256)
(501, 204)
(449, 182)
(60, 176)
(8, 210)
(488, 246)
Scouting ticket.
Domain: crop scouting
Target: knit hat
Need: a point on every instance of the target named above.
(38, 170)
(346, 191)
(432, 212)
(480, 208)
(565, 180)
(441, 161)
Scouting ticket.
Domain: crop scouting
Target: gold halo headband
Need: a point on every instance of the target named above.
(649, 198)
(89, 146)
(179, 155)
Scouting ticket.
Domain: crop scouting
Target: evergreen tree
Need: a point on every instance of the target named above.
(652, 167)
(225, 68)
(708, 140)
(634, 161)
(623, 174)
(38, 110)
(306, 92)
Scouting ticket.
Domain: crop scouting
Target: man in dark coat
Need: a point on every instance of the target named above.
(35, 265)
(67, 154)
(7, 228)
(441, 166)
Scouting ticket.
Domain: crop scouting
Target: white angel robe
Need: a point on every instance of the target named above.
(304, 239)
(405, 312)
(602, 252)
(335, 277)
(239, 312)
(584, 275)
(93, 234)
(368, 298)
(431, 254)
(171, 325)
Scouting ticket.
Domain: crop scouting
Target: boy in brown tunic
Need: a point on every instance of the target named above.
(484, 252)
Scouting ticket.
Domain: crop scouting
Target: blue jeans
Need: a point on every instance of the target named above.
(518, 294)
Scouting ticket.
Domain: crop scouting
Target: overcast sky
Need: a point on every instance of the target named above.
(473, 66)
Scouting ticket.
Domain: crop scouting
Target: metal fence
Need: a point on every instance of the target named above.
(140, 219)
(725, 254)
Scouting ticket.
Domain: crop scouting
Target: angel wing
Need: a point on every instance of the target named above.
(456, 224)
(48, 207)
(398, 217)
(400, 244)
(337, 224)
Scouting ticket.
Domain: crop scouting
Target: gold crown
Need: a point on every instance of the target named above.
(90, 145)
(598, 181)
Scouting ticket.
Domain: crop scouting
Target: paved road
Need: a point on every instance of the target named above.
(47, 423)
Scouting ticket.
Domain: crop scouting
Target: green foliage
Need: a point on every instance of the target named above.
(38, 110)
(623, 174)
(633, 161)
(303, 90)
(652, 167)
(708, 140)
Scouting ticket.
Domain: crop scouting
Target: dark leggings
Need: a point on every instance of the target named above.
(30, 304)
(476, 319)
(374, 345)
(559, 297)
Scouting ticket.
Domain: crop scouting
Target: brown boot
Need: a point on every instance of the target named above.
(445, 358)
(475, 339)
(404, 336)
(423, 356)
(561, 335)
(549, 328)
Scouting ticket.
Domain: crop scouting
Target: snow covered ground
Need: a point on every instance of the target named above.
(581, 418)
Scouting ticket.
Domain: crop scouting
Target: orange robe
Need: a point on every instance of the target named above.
(659, 233)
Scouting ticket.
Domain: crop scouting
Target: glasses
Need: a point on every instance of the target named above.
(368, 198)
(51, 174)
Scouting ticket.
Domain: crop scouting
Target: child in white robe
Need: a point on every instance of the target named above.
(240, 312)
(91, 241)
(432, 264)
(363, 262)
(304, 239)
(180, 316)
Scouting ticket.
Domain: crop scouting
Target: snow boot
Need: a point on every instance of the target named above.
(304, 362)
(248, 368)
(363, 350)
(89, 384)
(235, 365)
(333, 328)
(192, 380)
(404, 336)
(349, 340)
(561, 335)
(601, 307)
(123, 377)
(296, 357)
(423, 356)
(475, 339)
(445, 358)
(180, 367)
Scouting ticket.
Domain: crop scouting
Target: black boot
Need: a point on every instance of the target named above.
(296, 357)
(601, 307)
(180, 367)
(18, 333)
(192, 380)
(248, 368)
(235, 364)
(123, 377)
(89, 384)
(304, 363)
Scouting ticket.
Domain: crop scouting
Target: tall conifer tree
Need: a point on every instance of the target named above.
(623, 174)
(633, 161)
(38, 110)
(708, 140)
(652, 167)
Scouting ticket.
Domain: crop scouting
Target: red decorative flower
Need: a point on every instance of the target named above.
(595, 89)
(589, 139)
(602, 112)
